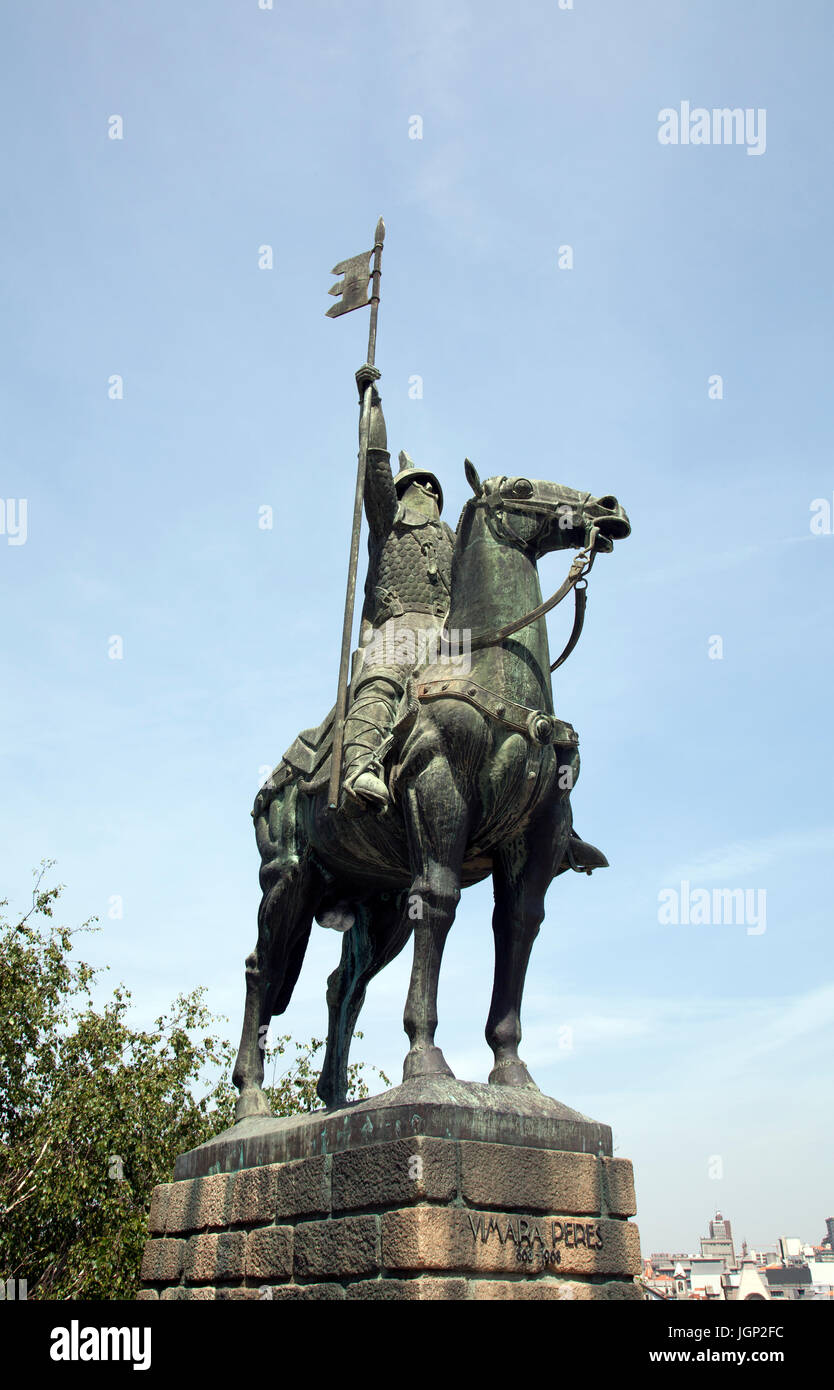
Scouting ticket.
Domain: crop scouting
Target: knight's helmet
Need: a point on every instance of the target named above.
(409, 473)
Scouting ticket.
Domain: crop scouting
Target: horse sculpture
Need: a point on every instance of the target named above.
(480, 777)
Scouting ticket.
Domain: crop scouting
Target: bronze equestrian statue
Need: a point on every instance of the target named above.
(450, 773)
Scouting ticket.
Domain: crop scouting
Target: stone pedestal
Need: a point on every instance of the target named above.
(436, 1190)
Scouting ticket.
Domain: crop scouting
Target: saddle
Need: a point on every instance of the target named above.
(308, 759)
(307, 763)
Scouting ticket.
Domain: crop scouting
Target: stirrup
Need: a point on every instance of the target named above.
(582, 857)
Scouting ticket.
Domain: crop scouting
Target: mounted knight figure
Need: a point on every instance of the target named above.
(425, 779)
(406, 602)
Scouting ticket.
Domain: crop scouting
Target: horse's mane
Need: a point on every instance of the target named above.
(468, 506)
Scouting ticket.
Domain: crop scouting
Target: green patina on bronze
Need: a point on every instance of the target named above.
(450, 771)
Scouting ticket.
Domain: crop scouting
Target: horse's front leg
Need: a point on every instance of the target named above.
(437, 821)
(522, 872)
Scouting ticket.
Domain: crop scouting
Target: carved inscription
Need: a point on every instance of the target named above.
(537, 1241)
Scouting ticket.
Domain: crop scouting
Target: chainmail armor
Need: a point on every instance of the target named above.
(409, 566)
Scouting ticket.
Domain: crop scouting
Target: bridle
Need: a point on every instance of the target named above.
(576, 577)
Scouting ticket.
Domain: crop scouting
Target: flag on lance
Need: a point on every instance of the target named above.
(352, 291)
(353, 288)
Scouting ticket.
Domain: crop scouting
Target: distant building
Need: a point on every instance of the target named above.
(822, 1278)
(651, 1295)
(766, 1257)
(794, 1281)
(747, 1284)
(795, 1270)
(718, 1245)
(705, 1278)
(656, 1286)
(665, 1283)
(790, 1248)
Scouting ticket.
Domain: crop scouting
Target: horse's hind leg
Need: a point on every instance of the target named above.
(284, 921)
(378, 935)
(522, 873)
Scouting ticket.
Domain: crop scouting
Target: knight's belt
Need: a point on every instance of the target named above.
(396, 608)
(536, 724)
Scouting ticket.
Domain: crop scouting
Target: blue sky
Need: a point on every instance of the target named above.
(289, 127)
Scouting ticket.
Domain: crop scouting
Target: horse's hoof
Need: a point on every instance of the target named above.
(426, 1061)
(331, 1098)
(251, 1103)
(512, 1072)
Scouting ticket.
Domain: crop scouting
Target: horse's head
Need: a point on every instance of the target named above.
(541, 516)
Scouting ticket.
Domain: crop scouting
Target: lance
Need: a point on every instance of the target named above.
(353, 289)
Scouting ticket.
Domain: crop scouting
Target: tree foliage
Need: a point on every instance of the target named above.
(93, 1112)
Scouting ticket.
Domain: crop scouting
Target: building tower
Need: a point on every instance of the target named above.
(718, 1245)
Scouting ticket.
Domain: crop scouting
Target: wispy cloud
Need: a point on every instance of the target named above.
(744, 857)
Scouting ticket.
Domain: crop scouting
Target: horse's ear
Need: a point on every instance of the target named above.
(472, 477)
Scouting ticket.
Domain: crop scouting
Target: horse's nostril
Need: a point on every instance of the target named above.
(614, 527)
(610, 503)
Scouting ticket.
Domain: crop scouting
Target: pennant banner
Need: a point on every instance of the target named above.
(354, 287)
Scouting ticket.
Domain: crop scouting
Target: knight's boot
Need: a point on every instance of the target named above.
(368, 736)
